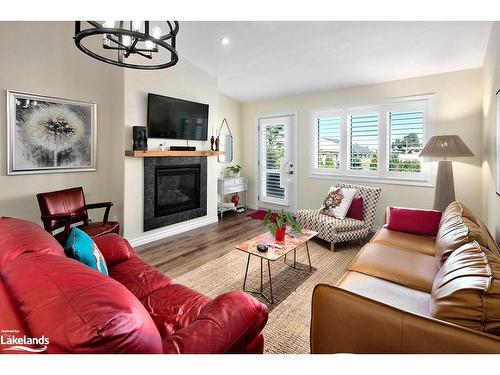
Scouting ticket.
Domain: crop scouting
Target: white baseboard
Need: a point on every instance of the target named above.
(169, 231)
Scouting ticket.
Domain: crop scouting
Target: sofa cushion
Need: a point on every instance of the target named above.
(458, 209)
(408, 241)
(80, 247)
(392, 294)
(401, 266)
(454, 232)
(492, 245)
(415, 221)
(114, 248)
(466, 290)
(173, 307)
(315, 219)
(138, 277)
(21, 236)
(78, 309)
(337, 202)
(11, 320)
(356, 210)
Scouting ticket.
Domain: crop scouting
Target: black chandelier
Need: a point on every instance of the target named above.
(140, 39)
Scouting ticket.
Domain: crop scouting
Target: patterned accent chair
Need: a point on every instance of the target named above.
(336, 230)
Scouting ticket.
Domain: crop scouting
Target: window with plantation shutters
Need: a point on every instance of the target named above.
(328, 142)
(374, 142)
(405, 130)
(363, 136)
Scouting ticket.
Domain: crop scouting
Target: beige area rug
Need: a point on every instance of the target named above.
(287, 330)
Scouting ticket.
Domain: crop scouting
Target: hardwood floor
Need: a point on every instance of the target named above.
(179, 254)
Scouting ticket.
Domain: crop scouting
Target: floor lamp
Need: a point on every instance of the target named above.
(445, 146)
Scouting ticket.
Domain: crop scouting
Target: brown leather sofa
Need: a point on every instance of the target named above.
(406, 293)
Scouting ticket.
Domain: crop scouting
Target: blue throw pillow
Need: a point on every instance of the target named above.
(81, 247)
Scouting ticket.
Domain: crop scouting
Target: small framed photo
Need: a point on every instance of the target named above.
(50, 135)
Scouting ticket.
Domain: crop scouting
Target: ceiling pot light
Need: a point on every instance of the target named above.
(129, 38)
(224, 40)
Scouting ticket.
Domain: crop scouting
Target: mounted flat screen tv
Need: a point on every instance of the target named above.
(176, 118)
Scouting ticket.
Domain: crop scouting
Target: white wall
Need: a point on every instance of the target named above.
(41, 58)
(458, 100)
(184, 81)
(491, 84)
(232, 111)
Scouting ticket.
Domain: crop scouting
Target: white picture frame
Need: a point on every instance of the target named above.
(50, 135)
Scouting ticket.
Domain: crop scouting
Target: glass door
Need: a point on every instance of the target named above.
(277, 169)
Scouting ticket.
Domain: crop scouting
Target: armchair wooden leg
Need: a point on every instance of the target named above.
(332, 246)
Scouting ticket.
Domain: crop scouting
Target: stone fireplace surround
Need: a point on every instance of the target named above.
(150, 166)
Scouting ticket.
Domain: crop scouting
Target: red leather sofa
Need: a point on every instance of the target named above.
(44, 294)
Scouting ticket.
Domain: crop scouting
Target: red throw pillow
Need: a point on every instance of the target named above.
(410, 220)
(356, 209)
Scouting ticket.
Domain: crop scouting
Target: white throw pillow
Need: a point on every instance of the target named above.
(337, 202)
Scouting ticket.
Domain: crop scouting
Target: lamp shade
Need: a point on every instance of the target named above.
(446, 146)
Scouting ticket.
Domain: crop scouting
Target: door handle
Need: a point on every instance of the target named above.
(283, 180)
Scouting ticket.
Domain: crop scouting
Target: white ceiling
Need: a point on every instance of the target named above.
(275, 59)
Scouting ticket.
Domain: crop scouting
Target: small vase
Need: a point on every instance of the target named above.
(279, 236)
(212, 140)
(235, 174)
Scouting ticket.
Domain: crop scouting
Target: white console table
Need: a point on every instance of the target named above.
(229, 186)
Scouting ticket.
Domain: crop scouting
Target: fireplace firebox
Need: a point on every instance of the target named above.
(175, 190)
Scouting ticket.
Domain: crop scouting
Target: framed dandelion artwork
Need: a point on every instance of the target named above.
(49, 135)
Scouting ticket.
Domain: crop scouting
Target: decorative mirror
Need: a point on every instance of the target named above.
(225, 144)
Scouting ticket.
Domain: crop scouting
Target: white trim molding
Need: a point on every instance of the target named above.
(172, 230)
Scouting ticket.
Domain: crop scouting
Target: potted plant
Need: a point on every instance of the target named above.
(234, 170)
(277, 222)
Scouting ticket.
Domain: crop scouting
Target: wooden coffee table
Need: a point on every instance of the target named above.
(291, 243)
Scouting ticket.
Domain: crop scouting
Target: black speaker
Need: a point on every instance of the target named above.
(140, 135)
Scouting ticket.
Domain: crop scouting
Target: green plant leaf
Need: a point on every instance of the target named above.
(267, 217)
(272, 229)
(280, 221)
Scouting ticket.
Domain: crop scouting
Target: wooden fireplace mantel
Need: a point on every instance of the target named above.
(168, 153)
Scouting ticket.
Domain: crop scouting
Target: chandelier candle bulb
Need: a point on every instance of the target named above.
(136, 25)
(156, 32)
(126, 40)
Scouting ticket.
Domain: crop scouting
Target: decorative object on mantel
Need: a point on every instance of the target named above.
(225, 144)
(234, 170)
(129, 38)
(49, 135)
(445, 146)
(217, 140)
(168, 153)
(140, 135)
(212, 140)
